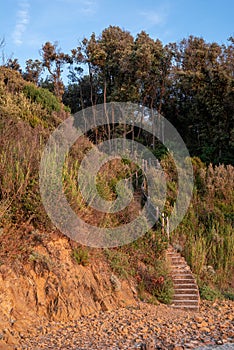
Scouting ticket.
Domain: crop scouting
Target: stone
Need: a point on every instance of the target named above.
(202, 324)
(115, 282)
(198, 319)
(205, 329)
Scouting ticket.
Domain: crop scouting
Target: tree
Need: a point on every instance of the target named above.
(2, 43)
(109, 56)
(33, 70)
(77, 95)
(200, 93)
(13, 63)
(53, 59)
(152, 63)
(191, 83)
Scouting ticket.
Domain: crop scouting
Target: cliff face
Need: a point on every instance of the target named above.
(53, 286)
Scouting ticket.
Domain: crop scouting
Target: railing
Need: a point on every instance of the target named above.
(154, 212)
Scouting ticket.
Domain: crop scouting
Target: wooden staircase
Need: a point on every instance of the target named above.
(186, 294)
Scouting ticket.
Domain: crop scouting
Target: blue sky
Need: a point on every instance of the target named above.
(27, 24)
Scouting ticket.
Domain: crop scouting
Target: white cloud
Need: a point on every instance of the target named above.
(88, 7)
(156, 17)
(21, 23)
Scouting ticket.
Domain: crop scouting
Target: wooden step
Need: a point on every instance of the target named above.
(178, 265)
(187, 307)
(185, 302)
(184, 297)
(182, 291)
(183, 280)
(177, 259)
(181, 272)
(185, 287)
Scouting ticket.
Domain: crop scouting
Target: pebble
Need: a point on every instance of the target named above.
(144, 327)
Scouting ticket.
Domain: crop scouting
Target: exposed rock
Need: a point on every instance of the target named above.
(115, 282)
(52, 302)
(52, 286)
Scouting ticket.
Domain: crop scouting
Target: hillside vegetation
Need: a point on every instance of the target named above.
(28, 114)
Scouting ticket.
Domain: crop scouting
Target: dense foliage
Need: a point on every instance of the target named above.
(190, 82)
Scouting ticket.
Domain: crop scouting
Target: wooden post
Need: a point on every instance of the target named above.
(168, 228)
(136, 179)
(163, 223)
(146, 165)
(157, 213)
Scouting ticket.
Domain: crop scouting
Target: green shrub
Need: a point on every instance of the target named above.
(42, 96)
(156, 281)
(209, 293)
(119, 262)
(228, 295)
(164, 293)
(44, 261)
(81, 256)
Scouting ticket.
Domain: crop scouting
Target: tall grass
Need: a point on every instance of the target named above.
(19, 163)
(206, 232)
(24, 128)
